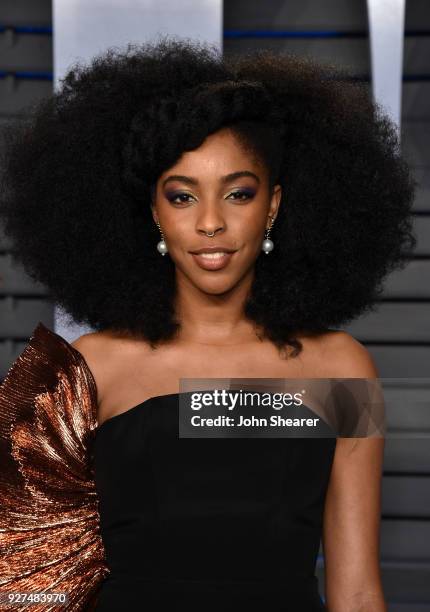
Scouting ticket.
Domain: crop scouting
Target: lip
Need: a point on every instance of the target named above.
(213, 249)
(217, 263)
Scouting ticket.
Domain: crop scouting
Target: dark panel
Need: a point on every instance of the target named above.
(415, 142)
(278, 14)
(26, 12)
(407, 454)
(422, 196)
(407, 404)
(14, 281)
(406, 496)
(16, 94)
(18, 317)
(401, 360)
(394, 322)
(411, 282)
(415, 100)
(422, 228)
(25, 52)
(401, 540)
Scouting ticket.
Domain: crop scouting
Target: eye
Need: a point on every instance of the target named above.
(242, 194)
(182, 197)
(174, 197)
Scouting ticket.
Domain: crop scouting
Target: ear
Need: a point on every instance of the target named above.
(152, 203)
(154, 213)
(275, 201)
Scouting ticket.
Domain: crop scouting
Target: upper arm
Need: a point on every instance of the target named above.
(93, 350)
(353, 502)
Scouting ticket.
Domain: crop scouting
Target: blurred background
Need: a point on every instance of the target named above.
(386, 44)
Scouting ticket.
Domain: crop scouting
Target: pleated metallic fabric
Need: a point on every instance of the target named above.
(49, 520)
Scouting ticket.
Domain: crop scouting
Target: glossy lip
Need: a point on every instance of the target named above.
(212, 249)
(213, 264)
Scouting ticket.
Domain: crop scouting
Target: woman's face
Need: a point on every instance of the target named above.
(219, 187)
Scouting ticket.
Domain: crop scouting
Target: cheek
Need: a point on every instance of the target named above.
(249, 232)
(177, 236)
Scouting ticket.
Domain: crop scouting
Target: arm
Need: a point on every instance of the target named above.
(353, 503)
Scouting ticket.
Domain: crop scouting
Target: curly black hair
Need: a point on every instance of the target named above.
(78, 177)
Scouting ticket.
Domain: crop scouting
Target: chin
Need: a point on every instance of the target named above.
(216, 287)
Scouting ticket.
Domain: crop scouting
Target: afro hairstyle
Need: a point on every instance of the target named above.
(78, 174)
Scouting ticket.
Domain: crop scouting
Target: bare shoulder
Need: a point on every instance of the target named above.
(343, 356)
(93, 343)
(103, 352)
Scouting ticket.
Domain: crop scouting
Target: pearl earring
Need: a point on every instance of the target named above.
(162, 246)
(267, 244)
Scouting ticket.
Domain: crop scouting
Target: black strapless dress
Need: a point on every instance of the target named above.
(207, 524)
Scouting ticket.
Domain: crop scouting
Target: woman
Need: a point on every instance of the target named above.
(139, 162)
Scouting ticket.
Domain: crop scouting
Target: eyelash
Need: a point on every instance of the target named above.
(248, 195)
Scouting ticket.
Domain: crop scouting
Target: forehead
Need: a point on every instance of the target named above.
(219, 154)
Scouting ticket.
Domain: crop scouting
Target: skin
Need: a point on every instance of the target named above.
(210, 307)
(209, 303)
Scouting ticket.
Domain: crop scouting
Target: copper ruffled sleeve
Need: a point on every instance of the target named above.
(49, 522)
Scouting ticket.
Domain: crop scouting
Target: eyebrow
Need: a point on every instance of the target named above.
(224, 179)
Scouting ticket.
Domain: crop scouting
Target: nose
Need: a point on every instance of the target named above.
(210, 221)
(210, 232)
